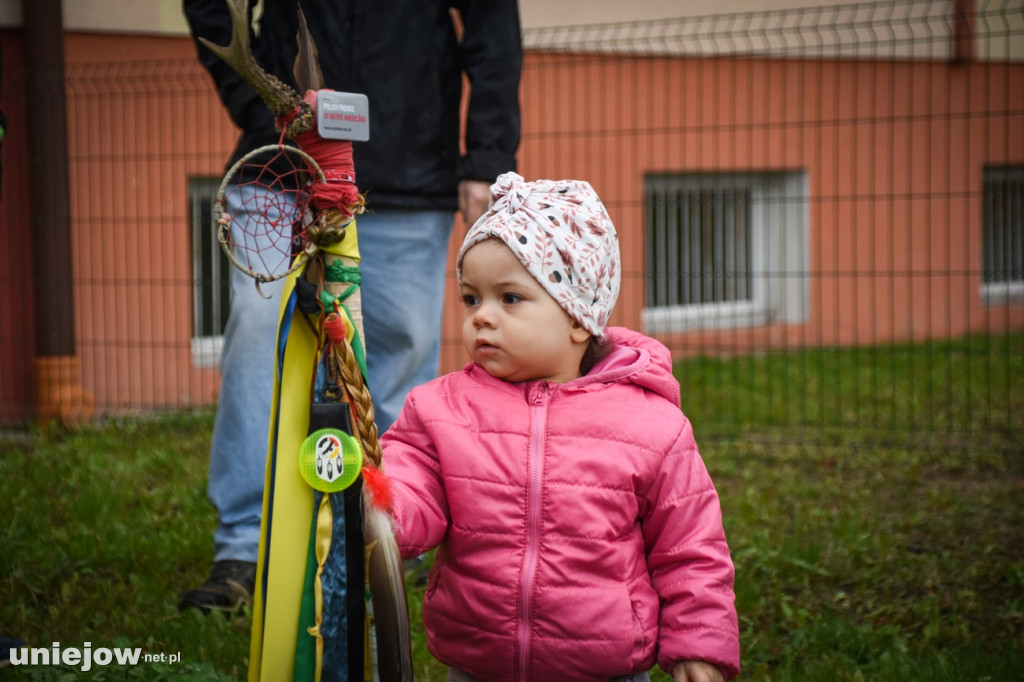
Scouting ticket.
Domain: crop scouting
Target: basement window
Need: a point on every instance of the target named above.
(211, 271)
(1003, 235)
(725, 250)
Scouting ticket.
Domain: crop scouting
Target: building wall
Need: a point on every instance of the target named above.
(142, 118)
(143, 126)
(893, 151)
(163, 17)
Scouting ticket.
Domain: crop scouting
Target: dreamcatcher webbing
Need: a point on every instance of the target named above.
(268, 239)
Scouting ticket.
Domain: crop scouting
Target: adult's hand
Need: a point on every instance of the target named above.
(474, 198)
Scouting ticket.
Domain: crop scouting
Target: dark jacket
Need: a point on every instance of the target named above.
(405, 57)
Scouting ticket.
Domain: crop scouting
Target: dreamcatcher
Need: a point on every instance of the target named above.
(325, 498)
(271, 186)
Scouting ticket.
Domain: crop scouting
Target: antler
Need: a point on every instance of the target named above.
(279, 97)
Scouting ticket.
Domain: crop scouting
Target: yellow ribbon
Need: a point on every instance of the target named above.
(324, 524)
(348, 247)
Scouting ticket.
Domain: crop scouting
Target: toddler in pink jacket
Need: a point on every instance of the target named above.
(579, 534)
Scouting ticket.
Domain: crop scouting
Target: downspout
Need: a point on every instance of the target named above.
(59, 393)
(963, 31)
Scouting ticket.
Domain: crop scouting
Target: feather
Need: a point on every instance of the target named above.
(378, 487)
(307, 67)
(387, 582)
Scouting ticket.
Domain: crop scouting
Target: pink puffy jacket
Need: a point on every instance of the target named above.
(580, 534)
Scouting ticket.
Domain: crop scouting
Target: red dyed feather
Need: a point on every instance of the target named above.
(379, 488)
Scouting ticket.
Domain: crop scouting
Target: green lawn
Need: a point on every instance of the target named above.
(894, 551)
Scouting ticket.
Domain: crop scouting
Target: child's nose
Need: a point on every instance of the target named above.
(484, 316)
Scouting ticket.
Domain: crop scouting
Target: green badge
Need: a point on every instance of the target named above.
(330, 460)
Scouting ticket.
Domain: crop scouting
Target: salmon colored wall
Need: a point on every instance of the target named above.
(893, 152)
(145, 124)
(145, 131)
(142, 118)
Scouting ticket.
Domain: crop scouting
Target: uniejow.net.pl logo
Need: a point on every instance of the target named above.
(85, 658)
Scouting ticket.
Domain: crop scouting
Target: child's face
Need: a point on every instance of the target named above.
(513, 328)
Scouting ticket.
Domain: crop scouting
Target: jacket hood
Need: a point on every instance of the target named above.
(635, 359)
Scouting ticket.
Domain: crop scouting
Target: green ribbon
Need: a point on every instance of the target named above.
(336, 271)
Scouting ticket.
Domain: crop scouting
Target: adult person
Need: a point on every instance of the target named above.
(408, 58)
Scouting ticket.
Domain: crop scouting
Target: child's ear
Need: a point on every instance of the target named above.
(578, 334)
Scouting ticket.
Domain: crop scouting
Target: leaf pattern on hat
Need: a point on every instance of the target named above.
(562, 234)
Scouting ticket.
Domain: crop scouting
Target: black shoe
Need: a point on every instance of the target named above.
(228, 588)
(7, 645)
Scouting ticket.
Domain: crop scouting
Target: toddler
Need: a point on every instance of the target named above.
(579, 534)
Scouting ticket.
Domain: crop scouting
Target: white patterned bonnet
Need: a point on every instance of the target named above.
(562, 234)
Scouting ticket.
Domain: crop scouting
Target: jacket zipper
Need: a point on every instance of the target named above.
(535, 476)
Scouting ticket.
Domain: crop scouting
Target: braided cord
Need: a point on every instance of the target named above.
(352, 377)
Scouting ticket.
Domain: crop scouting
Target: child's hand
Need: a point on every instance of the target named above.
(696, 671)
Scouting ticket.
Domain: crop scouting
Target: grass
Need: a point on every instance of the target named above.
(892, 551)
(942, 392)
(101, 530)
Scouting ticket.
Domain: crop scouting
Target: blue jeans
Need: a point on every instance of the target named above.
(403, 270)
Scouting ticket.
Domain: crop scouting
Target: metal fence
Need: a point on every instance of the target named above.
(823, 209)
(819, 211)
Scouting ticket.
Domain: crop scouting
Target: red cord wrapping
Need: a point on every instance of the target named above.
(335, 160)
(334, 325)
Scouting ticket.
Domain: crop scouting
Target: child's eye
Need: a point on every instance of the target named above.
(510, 299)
(469, 300)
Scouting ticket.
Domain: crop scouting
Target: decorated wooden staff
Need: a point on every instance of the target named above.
(326, 532)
